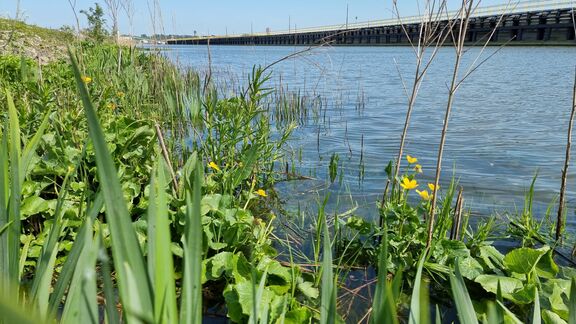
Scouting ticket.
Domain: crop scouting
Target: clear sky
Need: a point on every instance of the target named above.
(221, 16)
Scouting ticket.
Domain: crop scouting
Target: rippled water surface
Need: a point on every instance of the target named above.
(509, 121)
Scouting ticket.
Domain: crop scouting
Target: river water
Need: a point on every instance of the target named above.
(509, 120)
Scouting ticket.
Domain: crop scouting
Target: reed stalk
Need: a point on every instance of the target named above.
(430, 35)
(465, 12)
(560, 221)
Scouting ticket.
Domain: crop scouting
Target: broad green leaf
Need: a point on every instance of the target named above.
(508, 285)
(550, 317)
(466, 312)
(546, 267)
(307, 288)
(524, 260)
(33, 205)
(470, 268)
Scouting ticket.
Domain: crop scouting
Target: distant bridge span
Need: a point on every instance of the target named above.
(545, 22)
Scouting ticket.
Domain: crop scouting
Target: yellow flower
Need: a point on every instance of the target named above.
(261, 192)
(214, 166)
(432, 187)
(120, 94)
(418, 168)
(86, 79)
(424, 194)
(408, 184)
(411, 159)
(111, 105)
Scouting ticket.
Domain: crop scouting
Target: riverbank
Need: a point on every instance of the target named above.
(102, 174)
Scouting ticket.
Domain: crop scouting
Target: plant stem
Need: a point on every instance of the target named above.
(466, 10)
(560, 221)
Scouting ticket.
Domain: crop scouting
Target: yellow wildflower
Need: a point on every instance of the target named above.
(424, 194)
(418, 168)
(214, 166)
(261, 192)
(111, 105)
(86, 79)
(408, 184)
(120, 94)
(411, 159)
(432, 187)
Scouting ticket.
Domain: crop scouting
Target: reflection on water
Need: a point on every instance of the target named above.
(509, 119)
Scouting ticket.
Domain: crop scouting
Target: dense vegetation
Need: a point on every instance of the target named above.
(130, 190)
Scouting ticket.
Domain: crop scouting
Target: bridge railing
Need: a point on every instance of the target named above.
(515, 7)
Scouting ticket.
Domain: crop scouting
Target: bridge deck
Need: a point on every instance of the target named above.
(534, 21)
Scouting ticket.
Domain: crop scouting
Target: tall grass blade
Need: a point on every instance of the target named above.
(72, 259)
(81, 304)
(572, 303)
(12, 312)
(416, 292)
(42, 283)
(328, 311)
(30, 148)
(4, 219)
(384, 304)
(13, 233)
(259, 315)
(466, 312)
(128, 259)
(536, 316)
(191, 308)
(109, 291)
(159, 257)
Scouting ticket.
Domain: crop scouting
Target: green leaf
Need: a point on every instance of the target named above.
(524, 260)
(126, 251)
(416, 292)
(464, 306)
(191, 307)
(470, 268)
(219, 264)
(536, 313)
(81, 304)
(160, 262)
(13, 232)
(508, 285)
(328, 311)
(572, 303)
(307, 288)
(550, 317)
(33, 205)
(546, 267)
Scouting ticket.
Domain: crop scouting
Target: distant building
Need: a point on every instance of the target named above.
(268, 30)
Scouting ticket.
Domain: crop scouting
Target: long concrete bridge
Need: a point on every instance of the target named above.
(547, 22)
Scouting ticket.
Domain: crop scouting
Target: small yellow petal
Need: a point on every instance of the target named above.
(214, 166)
(261, 192)
(86, 79)
(418, 168)
(423, 194)
(408, 184)
(411, 159)
(432, 187)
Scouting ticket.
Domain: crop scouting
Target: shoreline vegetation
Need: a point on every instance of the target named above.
(132, 191)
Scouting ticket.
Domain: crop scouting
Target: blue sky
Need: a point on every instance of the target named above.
(219, 16)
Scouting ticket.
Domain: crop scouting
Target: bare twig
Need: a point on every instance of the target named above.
(466, 11)
(167, 158)
(560, 220)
